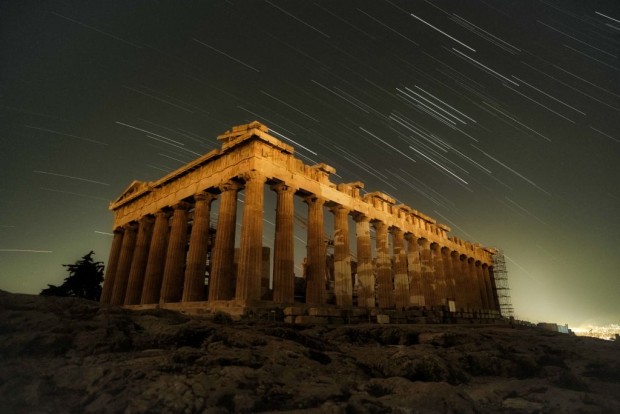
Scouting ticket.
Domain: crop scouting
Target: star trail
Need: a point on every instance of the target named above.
(499, 119)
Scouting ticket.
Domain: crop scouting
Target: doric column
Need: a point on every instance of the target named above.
(414, 271)
(365, 273)
(343, 286)
(138, 263)
(157, 258)
(475, 284)
(467, 283)
(110, 271)
(438, 275)
(494, 287)
(193, 289)
(251, 245)
(124, 264)
(448, 274)
(482, 289)
(487, 285)
(316, 261)
(221, 280)
(172, 284)
(385, 287)
(401, 279)
(460, 289)
(428, 280)
(283, 245)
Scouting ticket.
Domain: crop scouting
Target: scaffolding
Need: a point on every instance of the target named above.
(501, 285)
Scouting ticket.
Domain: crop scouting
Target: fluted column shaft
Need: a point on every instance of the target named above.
(124, 265)
(315, 281)
(401, 279)
(195, 269)
(489, 288)
(385, 286)
(365, 274)
(138, 263)
(414, 271)
(284, 246)
(251, 246)
(172, 284)
(468, 283)
(448, 274)
(221, 280)
(473, 275)
(481, 285)
(460, 288)
(110, 271)
(494, 287)
(156, 259)
(428, 282)
(439, 278)
(343, 285)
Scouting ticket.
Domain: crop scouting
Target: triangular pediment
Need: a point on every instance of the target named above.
(135, 187)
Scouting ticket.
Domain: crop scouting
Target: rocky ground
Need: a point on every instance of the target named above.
(63, 355)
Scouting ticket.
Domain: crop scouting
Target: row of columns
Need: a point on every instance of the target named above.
(149, 264)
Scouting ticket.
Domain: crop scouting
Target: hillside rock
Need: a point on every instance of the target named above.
(67, 355)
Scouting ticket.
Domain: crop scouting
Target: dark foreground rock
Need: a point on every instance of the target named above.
(63, 355)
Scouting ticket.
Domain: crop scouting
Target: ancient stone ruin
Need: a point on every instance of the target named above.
(165, 252)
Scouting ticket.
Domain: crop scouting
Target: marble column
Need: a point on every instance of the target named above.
(460, 288)
(385, 286)
(401, 278)
(283, 245)
(494, 286)
(448, 274)
(124, 264)
(172, 284)
(221, 280)
(473, 275)
(467, 283)
(193, 289)
(365, 273)
(157, 258)
(316, 260)
(138, 263)
(428, 279)
(481, 285)
(251, 245)
(343, 285)
(487, 284)
(438, 275)
(414, 271)
(110, 271)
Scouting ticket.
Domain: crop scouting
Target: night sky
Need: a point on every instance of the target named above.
(500, 119)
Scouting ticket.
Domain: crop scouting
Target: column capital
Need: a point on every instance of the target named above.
(338, 208)
(119, 230)
(205, 196)
(424, 242)
(395, 230)
(253, 176)
(229, 186)
(181, 205)
(314, 199)
(131, 226)
(283, 187)
(455, 254)
(379, 225)
(360, 217)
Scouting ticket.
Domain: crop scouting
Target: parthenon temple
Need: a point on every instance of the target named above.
(168, 251)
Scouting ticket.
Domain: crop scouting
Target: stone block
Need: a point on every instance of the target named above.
(325, 312)
(383, 319)
(311, 319)
(289, 319)
(293, 311)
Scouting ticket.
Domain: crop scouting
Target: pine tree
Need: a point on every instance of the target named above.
(84, 281)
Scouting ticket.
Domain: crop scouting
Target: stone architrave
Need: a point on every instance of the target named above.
(401, 279)
(428, 273)
(438, 275)
(283, 246)
(124, 264)
(385, 286)
(196, 267)
(315, 282)
(222, 278)
(365, 273)
(343, 286)
(138, 263)
(157, 258)
(414, 271)
(110, 270)
(172, 284)
(251, 245)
